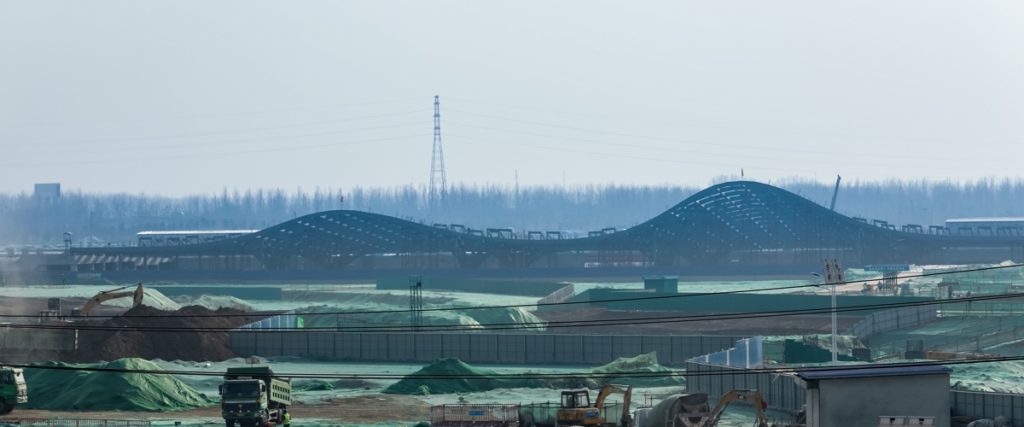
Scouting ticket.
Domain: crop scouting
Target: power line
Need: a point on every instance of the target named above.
(666, 148)
(564, 303)
(677, 123)
(530, 375)
(623, 156)
(234, 114)
(228, 154)
(454, 327)
(46, 145)
(179, 145)
(692, 142)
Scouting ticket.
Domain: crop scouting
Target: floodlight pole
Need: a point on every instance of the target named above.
(835, 357)
(832, 284)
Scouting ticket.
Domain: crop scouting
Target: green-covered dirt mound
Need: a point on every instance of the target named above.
(64, 389)
(640, 371)
(325, 316)
(455, 376)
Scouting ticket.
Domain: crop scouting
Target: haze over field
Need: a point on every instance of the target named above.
(165, 97)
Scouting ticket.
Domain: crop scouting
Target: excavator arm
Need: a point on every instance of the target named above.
(627, 399)
(627, 396)
(603, 394)
(99, 298)
(752, 396)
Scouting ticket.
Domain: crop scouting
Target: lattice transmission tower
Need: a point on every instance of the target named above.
(438, 180)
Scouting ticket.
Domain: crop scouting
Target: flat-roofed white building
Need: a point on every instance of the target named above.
(993, 226)
(186, 237)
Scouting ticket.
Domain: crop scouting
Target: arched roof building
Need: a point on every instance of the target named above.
(734, 223)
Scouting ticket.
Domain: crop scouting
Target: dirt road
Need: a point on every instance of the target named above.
(368, 409)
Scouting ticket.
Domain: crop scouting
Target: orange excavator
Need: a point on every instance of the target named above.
(693, 409)
(576, 409)
(113, 294)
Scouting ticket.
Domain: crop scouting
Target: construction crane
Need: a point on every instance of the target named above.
(704, 418)
(113, 294)
(576, 409)
(835, 193)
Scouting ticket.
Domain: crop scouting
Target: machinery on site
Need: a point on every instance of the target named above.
(692, 409)
(254, 396)
(576, 409)
(103, 296)
(12, 388)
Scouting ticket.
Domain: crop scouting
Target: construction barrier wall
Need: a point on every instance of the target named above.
(988, 405)
(747, 353)
(488, 286)
(619, 299)
(537, 348)
(891, 320)
(781, 391)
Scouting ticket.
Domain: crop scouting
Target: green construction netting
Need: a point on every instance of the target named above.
(475, 319)
(464, 379)
(57, 389)
(461, 377)
(651, 373)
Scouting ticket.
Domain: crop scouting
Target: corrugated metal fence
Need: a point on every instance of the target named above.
(780, 391)
(988, 405)
(890, 320)
(474, 347)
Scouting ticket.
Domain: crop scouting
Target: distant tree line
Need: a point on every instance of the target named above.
(101, 218)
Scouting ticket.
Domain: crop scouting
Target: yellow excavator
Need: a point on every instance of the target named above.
(699, 416)
(576, 409)
(113, 294)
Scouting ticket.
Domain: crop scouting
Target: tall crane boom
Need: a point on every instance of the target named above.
(835, 193)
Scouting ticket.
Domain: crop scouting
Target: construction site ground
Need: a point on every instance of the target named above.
(361, 402)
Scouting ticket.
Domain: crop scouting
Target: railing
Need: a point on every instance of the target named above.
(467, 413)
(559, 296)
(90, 422)
(285, 321)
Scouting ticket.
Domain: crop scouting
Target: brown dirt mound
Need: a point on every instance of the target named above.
(183, 344)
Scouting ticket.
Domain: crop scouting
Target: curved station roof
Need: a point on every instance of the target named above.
(712, 226)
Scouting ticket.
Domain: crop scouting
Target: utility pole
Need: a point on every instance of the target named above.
(438, 180)
(415, 302)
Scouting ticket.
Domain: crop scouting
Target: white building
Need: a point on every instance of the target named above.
(995, 226)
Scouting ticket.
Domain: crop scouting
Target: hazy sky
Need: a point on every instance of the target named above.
(176, 97)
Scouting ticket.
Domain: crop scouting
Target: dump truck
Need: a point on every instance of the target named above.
(254, 396)
(12, 389)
